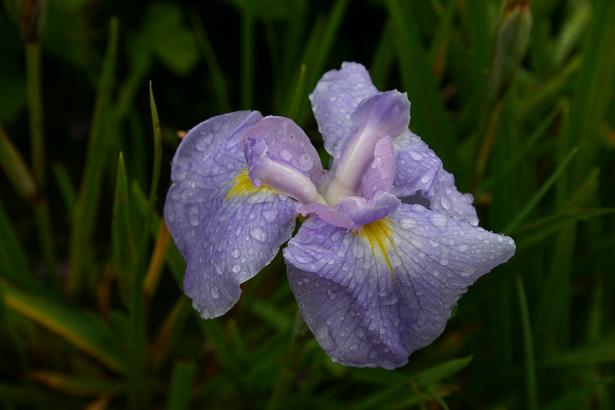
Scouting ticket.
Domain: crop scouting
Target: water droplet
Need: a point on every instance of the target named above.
(270, 215)
(416, 156)
(438, 220)
(236, 268)
(235, 253)
(425, 179)
(285, 154)
(445, 202)
(306, 162)
(214, 293)
(258, 233)
(331, 294)
(408, 223)
(463, 247)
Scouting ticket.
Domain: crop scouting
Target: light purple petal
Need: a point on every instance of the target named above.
(205, 163)
(285, 142)
(336, 96)
(328, 214)
(419, 172)
(364, 211)
(371, 310)
(380, 175)
(235, 244)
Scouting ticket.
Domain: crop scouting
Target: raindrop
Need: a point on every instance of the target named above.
(306, 162)
(258, 233)
(286, 155)
(214, 293)
(438, 220)
(236, 268)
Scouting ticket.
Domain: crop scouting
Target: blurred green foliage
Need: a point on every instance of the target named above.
(516, 97)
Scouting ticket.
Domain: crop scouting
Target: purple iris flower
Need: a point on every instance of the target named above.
(388, 245)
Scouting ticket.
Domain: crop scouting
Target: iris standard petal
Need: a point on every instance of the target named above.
(380, 175)
(419, 171)
(205, 164)
(336, 96)
(235, 244)
(372, 298)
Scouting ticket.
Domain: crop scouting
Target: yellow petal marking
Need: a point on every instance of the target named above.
(378, 236)
(242, 185)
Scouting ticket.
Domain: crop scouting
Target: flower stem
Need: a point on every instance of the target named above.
(35, 107)
(288, 371)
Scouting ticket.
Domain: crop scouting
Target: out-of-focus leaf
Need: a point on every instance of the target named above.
(165, 33)
(602, 352)
(85, 331)
(76, 385)
(181, 386)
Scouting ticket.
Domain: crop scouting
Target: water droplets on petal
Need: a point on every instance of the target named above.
(258, 233)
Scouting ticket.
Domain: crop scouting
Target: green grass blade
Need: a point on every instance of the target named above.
(157, 154)
(541, 193)
(429, 117)
(66, 186)
(181, 386)
(12, 253)
(297, 99)
(86, 207)
(531, 381)
(247, 54)
(217, 78)
(86, 332)
(35, 108)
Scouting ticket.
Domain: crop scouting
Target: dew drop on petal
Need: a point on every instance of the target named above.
(258, 233)
(463, 247)
(236, 268)
(270, 215)
(285, 154)
(305, 162)
(215, 293)
(438, 220)
(408, 223)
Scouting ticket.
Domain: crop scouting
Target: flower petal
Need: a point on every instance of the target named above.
(380, 175)
(203, 168)
(280, 155)
(235, 244)
(419, 171)
(336, 96)
(374, 297)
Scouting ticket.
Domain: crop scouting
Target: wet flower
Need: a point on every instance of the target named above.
(388, 246)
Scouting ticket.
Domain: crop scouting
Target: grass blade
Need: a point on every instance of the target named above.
(181, 386)
(86, 207)
(86, 332)
(528, 344)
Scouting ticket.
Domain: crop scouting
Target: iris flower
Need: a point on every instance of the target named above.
(388, 244)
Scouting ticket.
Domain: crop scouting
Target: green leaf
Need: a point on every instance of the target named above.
(165, 33)
(85, 331)
(86, 208)
(429, 117)
(181, 386)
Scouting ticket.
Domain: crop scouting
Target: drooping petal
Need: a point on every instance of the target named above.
(235, 244)
(280, 155)
(419, 172)
(205, 164)
(336, 96)
(226, 228)
(372, 298)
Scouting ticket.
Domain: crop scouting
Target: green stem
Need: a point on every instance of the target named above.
(35, 107)
(287, 372)
(530, 362)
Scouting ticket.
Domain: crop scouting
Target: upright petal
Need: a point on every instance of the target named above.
(203, 168)
(235, 244)
(336, 96)
(374, 297)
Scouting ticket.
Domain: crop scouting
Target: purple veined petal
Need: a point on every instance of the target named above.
(381, 174)
(205, 164)
(280, 155)
(363, 211)
(372, 298)
(382, 115)
(336, 96)
(416, 165)
(419, 172)
(235, 244)
(328, 214)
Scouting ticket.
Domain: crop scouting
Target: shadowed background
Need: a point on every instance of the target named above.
(516, 97)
